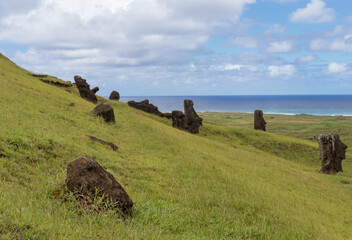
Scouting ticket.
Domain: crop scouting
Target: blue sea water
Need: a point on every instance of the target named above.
(324, 105)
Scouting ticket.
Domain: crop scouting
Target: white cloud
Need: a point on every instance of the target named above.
(334, 68)
(306, 59)
(119, 32)
(285, 70)
(280, 47)
(314, 12)
(337, 44)
(245, 42)
(232, 67)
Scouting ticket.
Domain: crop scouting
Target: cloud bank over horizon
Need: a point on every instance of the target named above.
(154, 47)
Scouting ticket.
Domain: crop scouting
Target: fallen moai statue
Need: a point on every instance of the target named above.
(145, 106)
(106, 111)
(110, 144)
(148, 107)
(189, 120)
(331, 152)
(114, 96)
(84, 89)
(259, 122)
(86, 177)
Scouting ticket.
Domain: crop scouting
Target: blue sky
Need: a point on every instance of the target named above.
(182, 47)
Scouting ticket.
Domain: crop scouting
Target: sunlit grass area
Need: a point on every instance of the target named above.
(227, 182)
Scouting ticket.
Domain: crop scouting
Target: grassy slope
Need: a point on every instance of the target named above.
(222, 183)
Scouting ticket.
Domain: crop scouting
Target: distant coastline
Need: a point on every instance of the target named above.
(321, 105)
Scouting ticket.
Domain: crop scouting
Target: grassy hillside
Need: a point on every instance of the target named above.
(225, 183)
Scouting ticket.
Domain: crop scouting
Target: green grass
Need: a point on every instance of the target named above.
(224, 183)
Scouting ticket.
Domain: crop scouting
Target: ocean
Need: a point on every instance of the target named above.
(324, 105)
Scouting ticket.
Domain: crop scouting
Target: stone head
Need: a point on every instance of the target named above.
(340, 147)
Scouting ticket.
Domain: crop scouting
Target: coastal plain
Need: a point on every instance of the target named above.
(227, 182)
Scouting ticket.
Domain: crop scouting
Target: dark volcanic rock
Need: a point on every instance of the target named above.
(57, 83)
(148, 107)
(106, 111)
(145, 106)
(331, 152)
(259, 122)
(166, 115)
(192, 120)
(178, 119)
(95, 90)
(86, 177)
(84, 89)
(110, 144)
(40, 75)
(114, 96)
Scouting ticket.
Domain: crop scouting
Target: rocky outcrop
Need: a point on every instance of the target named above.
(145, 106)
(331, 152)
(259, 122)
(86, 177)
(106, 111)
(110, 144)
(114, 96)
(84, 89)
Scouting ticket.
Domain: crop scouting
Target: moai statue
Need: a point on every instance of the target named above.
(84, 89)
(192, 120)
(178, 119)
(259, 122)
(331, 152)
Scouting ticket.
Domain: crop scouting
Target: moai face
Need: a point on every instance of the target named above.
(340, 148)
(339, 151)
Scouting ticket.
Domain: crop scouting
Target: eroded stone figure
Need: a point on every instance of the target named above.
(259, 122)
(331, 152)
(84, 89)
(192, 120)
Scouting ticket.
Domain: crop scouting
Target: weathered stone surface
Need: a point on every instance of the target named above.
(114, 96)
(145, 106)
(192, 120)
(106, 111)
(110, 144)
(178, 119)
(95, 90)
(86, 177)
(57, 83)
(39, 75)
(166, 115)
(84, 89)
(259, 122)
(331, 152)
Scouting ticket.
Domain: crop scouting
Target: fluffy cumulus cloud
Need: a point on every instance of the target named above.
(285, 70)
(120, 32)
(280, 47)
(314, 12)
(335, 68)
